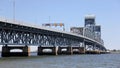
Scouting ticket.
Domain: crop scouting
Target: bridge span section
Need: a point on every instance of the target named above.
(19, 33)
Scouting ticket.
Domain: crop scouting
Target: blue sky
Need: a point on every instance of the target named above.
(69, 12)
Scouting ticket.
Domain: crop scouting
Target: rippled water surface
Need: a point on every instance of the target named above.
(63, 61)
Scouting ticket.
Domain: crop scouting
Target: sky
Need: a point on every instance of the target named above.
(69, 12)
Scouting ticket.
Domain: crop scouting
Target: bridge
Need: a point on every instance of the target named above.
(79, 40)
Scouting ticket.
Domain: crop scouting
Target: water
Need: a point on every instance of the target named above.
(63, 61)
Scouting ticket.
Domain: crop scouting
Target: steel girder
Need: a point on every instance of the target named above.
(13, 37)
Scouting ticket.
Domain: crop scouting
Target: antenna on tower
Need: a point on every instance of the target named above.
(49, 19)
(14, 10)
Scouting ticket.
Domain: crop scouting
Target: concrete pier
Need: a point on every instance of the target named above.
(104, 52)
(40, 51)
(80, 50)
(6, 51)
(92, 52)
(68, 50)
(60, 50)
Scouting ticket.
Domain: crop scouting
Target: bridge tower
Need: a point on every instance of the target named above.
(90, 22)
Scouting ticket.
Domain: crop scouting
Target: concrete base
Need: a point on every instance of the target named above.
(81, 50)
(104, 52)
(92, 52)
(6, 51)
(68, 52)
(40, 51)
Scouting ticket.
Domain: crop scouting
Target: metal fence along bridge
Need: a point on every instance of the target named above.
(79, 40)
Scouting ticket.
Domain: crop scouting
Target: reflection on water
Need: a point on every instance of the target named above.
(62, 61)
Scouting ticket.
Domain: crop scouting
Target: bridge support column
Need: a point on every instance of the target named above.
(40, 51)
(78, 50)
(92, 52)
(60, 50)
(68, 50)
(81, 50)
(6, 51)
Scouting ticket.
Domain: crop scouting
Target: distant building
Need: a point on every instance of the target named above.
(77, 30)
(90, 28)
(90, 22)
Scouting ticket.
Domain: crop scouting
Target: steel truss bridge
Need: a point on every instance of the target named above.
(19, 33)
